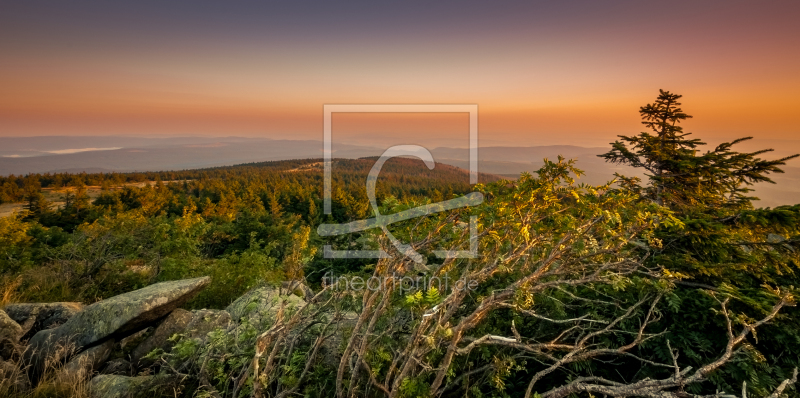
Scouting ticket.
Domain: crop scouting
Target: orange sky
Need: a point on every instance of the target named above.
(540, 74)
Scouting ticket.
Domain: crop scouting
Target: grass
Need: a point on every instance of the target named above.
(54, 383)
(8, 290)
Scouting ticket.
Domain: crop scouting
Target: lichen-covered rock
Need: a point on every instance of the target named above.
(204, 321)
(34, 317)
(174, 323)
(333, 347)
(85, 364)
(117, 366)
(298, 288)
(10, 333)
(115, 386)
(9, 329)
(129, 343)
(262, 304)
(117, 316)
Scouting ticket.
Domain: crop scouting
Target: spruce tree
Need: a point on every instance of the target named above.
(35, 202)
(726, 246)
(680, 177)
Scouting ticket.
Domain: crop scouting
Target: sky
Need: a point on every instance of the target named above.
(542, 73)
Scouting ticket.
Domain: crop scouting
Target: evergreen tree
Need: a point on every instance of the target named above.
(77, 198)
(35, 202)
(679, 177)
(725, 247)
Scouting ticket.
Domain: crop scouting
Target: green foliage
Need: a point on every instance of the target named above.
(15, 243)
(725, 246)
(678, 176)
(690, 228)
(241, 225)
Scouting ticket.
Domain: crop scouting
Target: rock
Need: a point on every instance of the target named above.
(87, 362)
(34, 317)
(131, 342)
(10, 332)
(174, 323)
(117, 367)
(261, 304)
(13, 380)
(10, 350)
(205, 321)
(333, 347)
(9, 329)
(114, 317)
(299, 289)
(115, 386)
(192, 325)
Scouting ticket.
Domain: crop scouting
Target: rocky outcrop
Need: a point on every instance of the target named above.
(333, 347)
(204, 321)
(261, 304)
(10, 332)
(9, 329)
(115, 386)
(35, 317)
(298, 288)
(117, 316)
(129, 343)
(112, 337)
(88, 362)
(174, 323)
(118, 366)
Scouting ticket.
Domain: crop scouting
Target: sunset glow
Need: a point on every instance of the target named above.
(579, 71)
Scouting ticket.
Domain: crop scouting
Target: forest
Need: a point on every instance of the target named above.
(672, 285)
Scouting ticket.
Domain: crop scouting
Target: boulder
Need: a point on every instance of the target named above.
(193, 325)
(85, 364)
(9, 329)
(10, 332)
(261, 304)
(299, 289)
(205, 321)
(10, 350)
(333, 347)
(129, 343)
(115, 317)
(115, 386)
(174, 323)
(118, 367)
(34, 317)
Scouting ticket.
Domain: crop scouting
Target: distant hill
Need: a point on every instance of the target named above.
(22, 155)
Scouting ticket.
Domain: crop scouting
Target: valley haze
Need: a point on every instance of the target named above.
(121, 154)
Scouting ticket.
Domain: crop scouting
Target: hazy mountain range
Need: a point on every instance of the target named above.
(22, 155)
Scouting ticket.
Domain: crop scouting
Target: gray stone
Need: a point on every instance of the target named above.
(261, 304)
(9, 329)
(34, 317)
(117, 316)
(10, 332)
(10, 350)
(115, 386)
(118, 367)
(205, 321)
(333, 347)
(85, 364)
(174, 323)
(129, 343)
(299, 289)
